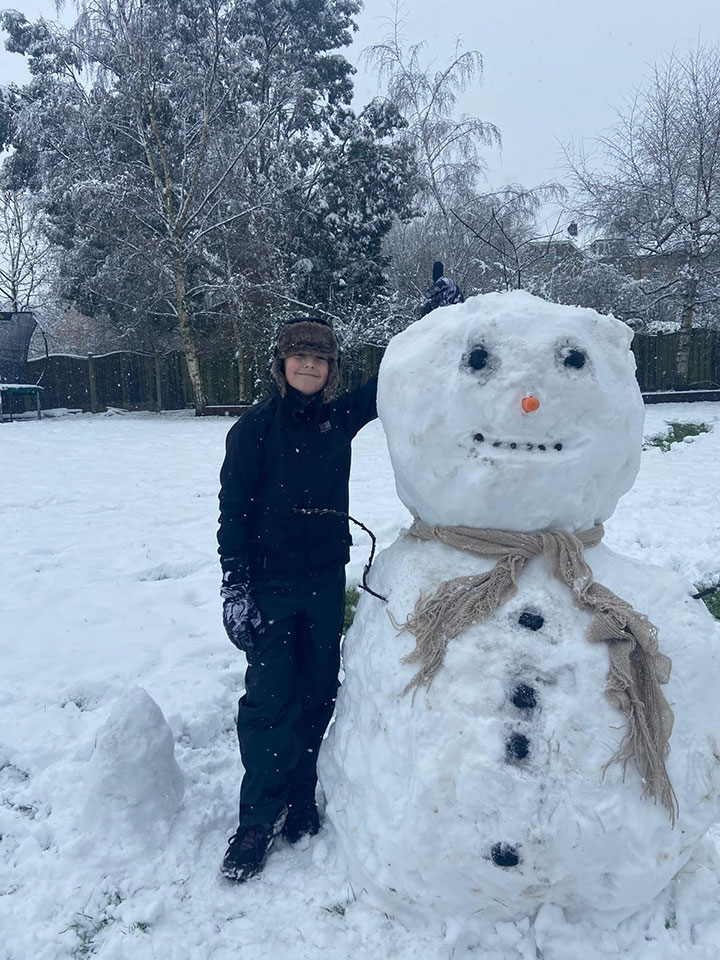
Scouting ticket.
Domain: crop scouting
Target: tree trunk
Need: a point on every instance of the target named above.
(191, 357)
(241, 366)
(683, 352)
(241, 375)
(685, 338)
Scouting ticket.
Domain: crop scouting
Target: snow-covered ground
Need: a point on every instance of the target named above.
(110, 581)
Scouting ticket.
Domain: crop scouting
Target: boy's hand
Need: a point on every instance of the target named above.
(241, 617)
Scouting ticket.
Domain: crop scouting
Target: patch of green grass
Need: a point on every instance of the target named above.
(712, 602)
(675, 433)
(338, 908)
(352, 595)
(341, 906)
(86, 929)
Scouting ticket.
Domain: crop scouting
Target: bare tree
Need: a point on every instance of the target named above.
(24, 252)
(504, 225)
(659, 187)
(448, 148)
(447, 145)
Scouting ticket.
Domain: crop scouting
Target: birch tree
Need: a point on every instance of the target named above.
(24, 252)
(448, 147)
(659, 187)
(138, 121)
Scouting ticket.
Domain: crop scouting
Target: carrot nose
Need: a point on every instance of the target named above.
(530, 404)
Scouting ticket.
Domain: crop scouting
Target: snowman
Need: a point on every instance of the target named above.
(529, 718)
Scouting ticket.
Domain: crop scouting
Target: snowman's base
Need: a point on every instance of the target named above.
(488, 794)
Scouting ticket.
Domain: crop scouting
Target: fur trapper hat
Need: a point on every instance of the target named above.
(307, 335)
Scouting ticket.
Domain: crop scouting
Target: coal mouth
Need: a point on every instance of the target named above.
(496, 443)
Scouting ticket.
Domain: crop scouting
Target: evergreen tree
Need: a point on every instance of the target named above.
(192, 158)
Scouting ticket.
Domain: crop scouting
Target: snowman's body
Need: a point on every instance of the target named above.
(487, 794)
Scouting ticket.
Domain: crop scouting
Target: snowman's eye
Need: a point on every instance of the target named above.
(478, 358)
(572, 357)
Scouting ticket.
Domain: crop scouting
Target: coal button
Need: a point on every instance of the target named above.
(517, 746)
(533, 621)
(504, 855)
(524, 697)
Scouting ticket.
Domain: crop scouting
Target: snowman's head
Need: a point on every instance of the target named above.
(509, 412)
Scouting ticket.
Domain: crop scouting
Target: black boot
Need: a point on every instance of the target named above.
(302, 820)
(246, 851)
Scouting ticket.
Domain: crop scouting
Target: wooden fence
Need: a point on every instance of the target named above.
(657, 360)
(136, 381)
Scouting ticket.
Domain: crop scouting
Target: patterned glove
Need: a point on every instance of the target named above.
(442, 293)
(241, 617)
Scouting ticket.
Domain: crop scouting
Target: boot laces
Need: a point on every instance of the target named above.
(251, 838)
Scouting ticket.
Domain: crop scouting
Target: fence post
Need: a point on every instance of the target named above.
(93, 384)
(124, 400)
(158, 383)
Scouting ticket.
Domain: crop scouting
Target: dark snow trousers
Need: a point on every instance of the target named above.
(291, 684)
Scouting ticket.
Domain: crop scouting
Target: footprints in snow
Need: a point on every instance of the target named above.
(13, 782)
(169, 571)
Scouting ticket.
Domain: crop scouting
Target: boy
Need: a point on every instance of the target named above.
(284, 580)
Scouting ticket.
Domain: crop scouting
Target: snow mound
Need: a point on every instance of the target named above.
(134, 782)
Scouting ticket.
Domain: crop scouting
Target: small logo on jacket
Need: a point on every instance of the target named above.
(325, 426)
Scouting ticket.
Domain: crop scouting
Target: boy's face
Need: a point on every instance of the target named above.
(306, 372)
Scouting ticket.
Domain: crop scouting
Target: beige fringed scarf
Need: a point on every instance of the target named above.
(637, 668)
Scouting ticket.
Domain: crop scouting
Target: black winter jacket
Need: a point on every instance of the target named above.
(284, 455)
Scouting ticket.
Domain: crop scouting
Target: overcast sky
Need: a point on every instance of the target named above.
(554, 70)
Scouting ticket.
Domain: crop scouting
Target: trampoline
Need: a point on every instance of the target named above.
(16, 330)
